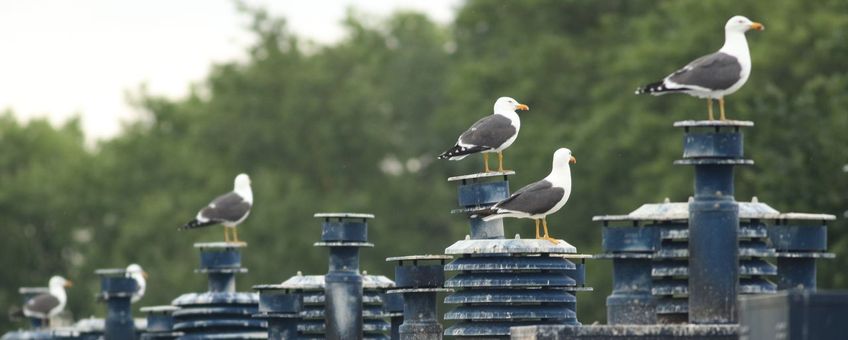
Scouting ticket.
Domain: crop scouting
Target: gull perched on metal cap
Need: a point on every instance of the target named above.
(229, 209)
(715, 75)
(47, 305)
(489, 134)
(539, 199)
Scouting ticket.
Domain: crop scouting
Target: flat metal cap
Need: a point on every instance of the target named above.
(111, 272)
(342, 215)
(679, 211)
(806, 216)
(205, 245)
(419, 258)
(158, 309)
(481, 175)
(713, 123)
(509, 246)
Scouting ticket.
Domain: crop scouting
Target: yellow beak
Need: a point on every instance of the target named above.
(757, 26)
(522, 107)
(572, 160)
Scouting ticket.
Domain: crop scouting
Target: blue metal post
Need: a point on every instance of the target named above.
(160, 323)
(221, 311)
(631, 250)
(800, 240)
(344, 234)
(281, 307)
(116, 288)
(714, 148)
(477, 192)
(393, 308)
(418, 283)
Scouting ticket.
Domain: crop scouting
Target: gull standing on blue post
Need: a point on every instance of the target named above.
(135, 272)
(490, 134)
(538, 200)
(229, 209)
(715, 75)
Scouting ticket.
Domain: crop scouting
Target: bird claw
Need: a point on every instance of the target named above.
(550, 239)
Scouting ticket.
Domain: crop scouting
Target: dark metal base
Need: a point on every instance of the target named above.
(641, 332)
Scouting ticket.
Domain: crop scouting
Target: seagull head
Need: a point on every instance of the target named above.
(562, 157)
(740, 24)
(242, 182)
(58, 282)
(134, 271)
(507, 104)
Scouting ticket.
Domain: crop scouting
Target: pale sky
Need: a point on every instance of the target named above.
(60, 58)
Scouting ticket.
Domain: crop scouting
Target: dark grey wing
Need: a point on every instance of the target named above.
(717, 71)
(535, 198)
(41, 304)
(490, 131)
(226, 208)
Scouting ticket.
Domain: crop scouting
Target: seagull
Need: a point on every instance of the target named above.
(490, 134)
(229, 209)
(47, 305)
(540, 199)
(715, 75)
(135, 272)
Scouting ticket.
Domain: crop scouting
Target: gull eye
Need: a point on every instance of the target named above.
(741, 21)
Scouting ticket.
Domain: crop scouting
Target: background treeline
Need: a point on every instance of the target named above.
(355, 126)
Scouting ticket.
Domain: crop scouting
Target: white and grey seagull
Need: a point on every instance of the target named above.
(538, 200)
(135, 272)
(715, 75)
(489, 134)
(229, 209)
(47, 305)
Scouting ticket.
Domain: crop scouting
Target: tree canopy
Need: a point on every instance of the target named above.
(356, 125)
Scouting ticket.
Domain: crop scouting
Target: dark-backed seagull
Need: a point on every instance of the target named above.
(490, 134)
(135, 272)
(229, 209)
(47, 305)
(540, 199)
(716, 75)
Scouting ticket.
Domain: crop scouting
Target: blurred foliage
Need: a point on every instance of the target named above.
(355, 126)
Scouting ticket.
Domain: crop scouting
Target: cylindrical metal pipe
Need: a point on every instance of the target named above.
(344, 234)
(631, 301)
(419, 313)
(713, 260)
(116, 289)
(222, 282)
(796, 272)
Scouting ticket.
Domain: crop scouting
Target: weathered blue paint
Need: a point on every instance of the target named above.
(714, 150)
(116, 289)
(794, 314)
(220, 312)
(160, 323)
(477, 192)
(343, 235)
(418, 279)
(281, 308)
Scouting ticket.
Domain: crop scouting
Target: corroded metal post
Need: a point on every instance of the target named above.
(419, 283)
(344, 234)
(160, 323)
(281, 307)
(800, 240)
(631, 249)
(116, 289)
(714, 148)
(221, 311)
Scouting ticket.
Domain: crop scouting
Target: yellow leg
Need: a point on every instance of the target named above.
(485, 162)
(537, 229)
(721, 107)
(226, 235)
(547, 237)
(235, 235)
(500, 161)
(710, 108)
